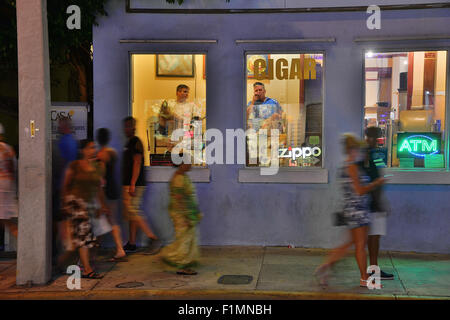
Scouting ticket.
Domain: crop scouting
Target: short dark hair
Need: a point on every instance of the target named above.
(181, 87)
(373, 132)
(259, 84)
(83, 143)
(128, 119)
(103, 136)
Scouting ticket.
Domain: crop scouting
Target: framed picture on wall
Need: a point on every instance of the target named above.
(175, 65)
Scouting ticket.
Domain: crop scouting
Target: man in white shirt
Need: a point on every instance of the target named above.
(184, 111)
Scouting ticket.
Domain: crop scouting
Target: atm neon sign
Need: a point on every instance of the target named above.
(418, 145)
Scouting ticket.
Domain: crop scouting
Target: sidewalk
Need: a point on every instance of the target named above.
(278, 273)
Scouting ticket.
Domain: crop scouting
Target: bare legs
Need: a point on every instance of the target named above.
(373, 244)
(139, 222)
(84, 257)
(118, 242)
(359, 236)
(132, 210)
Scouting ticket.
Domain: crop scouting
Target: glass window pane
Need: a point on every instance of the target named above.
(284, 92)
(405, 97)
(168, 93)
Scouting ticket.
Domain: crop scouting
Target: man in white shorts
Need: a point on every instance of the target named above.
(378, 220)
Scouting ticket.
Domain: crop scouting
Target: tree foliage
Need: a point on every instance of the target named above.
(62, 41)
(8, 35)
(66, 47)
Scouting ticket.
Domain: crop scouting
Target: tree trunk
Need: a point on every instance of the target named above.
(77, 63)
(82, 82)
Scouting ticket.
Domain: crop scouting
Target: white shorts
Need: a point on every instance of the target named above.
(377, 224)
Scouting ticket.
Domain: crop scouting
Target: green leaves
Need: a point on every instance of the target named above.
(62, 41)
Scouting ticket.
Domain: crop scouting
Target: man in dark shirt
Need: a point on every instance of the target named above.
(133, 181)
(378, 221)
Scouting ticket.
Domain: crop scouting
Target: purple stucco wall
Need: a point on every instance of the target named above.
(273, 214)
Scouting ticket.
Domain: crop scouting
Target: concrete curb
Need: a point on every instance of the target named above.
(127, 294)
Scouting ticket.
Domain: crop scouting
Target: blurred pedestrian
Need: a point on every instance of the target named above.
(183, 252)
(64, 151)
(111, 189)
(356, 210)
(377, 207)
(82, 192)
(134, 188)
(68, 146)
(8, 190)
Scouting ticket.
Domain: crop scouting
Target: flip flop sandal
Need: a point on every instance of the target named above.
(121, 259)
(91, 275)
(187, 272)
(151, 252)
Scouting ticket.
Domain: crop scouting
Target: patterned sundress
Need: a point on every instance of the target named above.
(80, 204)
(356, 208)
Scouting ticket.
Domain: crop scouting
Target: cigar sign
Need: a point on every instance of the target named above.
(282, 69)
(418, 144)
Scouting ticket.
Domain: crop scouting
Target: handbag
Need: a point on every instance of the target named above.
(100, 225)
(339, 219)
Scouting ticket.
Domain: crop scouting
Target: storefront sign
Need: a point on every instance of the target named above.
(295, 153)
(264, 70)
(418, 145)
(78, 114)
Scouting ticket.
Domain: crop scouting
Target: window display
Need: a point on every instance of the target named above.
(405, 98)
(168, 93)
(285, 92)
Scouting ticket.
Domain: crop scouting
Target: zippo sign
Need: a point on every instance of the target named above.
(79, 116)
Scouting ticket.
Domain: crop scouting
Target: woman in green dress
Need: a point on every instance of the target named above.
(183, 252)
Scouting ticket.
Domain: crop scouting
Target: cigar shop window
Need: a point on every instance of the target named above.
(406, 98)
(168, 93)
(285, 92)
